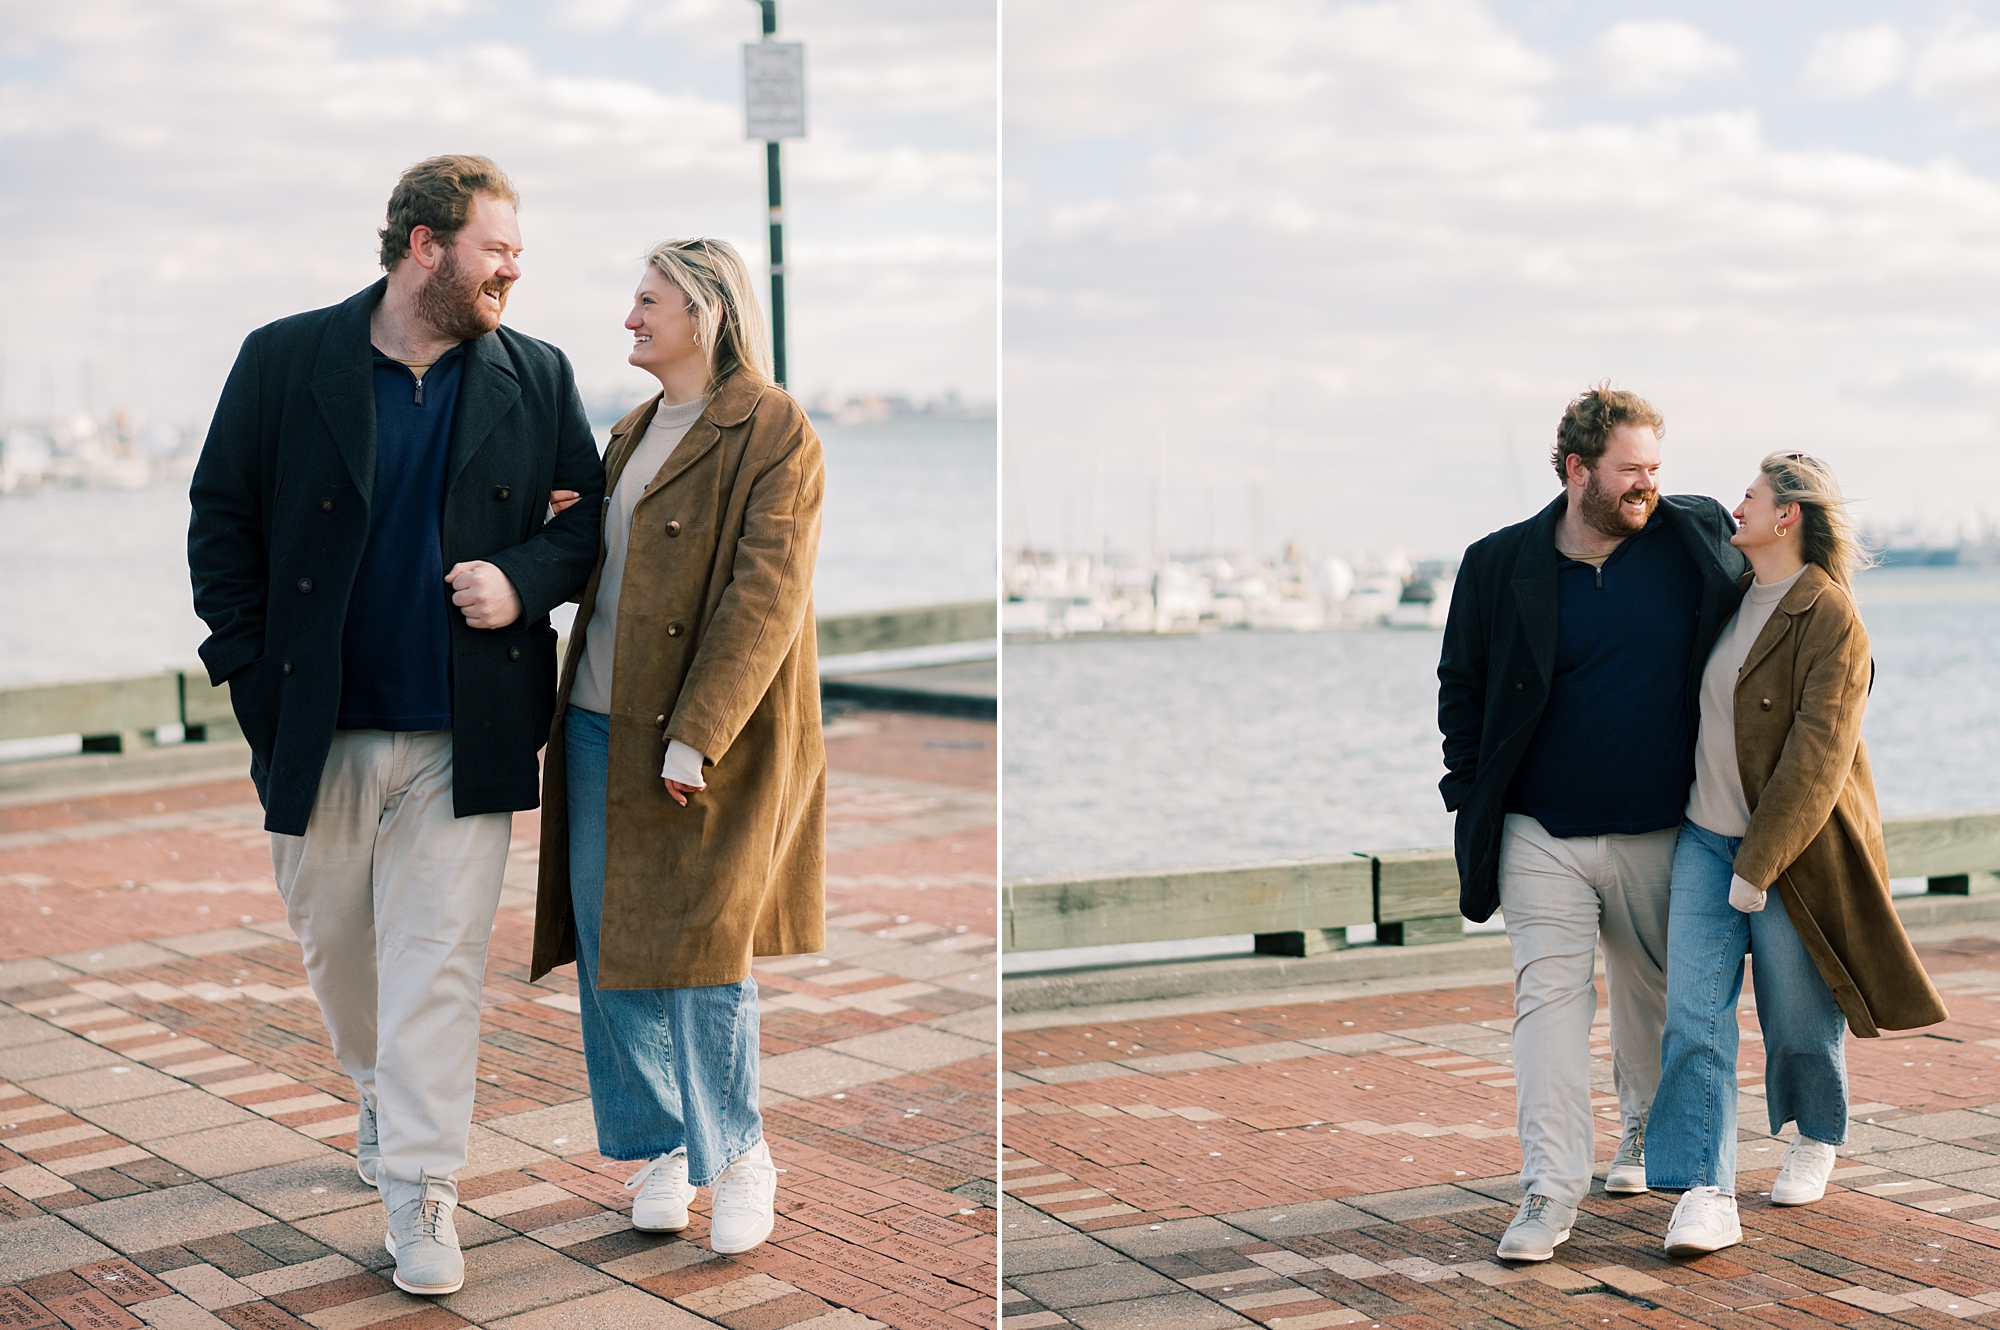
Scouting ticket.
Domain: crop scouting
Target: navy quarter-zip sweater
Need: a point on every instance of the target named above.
(395, 652)
(1613, 754)
(1510, 617)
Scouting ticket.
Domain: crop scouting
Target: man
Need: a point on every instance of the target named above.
(1568, 687)
(369, 552)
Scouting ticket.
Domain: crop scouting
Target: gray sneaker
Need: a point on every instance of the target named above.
(1627, 1174)
(422, 1237)
(1540, 1226)
(368, 1144)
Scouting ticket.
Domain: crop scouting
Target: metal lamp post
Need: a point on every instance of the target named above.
(774, 105)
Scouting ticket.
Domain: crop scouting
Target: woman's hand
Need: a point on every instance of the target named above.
(1744, 896)
(681, 771)
(561, 499)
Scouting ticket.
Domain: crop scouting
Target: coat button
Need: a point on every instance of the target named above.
(305, 585)
(659, 720)
(676, 628)
(673, 528)
(502, 493)
(326, 505)
(286, 667)
(1767, 704)
(1520, 687)
(513, 653)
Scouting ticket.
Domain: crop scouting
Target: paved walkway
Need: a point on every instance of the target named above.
(1353, 1162)
(175, 1138)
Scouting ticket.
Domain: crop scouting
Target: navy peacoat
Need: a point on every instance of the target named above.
(1498, 661)
(281, 499)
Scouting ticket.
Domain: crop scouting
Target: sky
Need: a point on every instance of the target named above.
(175, 173)
(1329, 272)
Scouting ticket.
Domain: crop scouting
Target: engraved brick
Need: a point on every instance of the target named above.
(123, 1282)
(18, 1311)
(91, 1310)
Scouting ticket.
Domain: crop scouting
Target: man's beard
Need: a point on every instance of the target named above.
(450, 303)
(1605, 512)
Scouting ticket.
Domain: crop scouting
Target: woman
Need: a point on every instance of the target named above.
(683, 826)
(1780, 856)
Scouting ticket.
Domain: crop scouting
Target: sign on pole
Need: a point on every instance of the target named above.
(774, 90)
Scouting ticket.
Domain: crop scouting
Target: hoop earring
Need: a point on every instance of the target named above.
(1780, 529)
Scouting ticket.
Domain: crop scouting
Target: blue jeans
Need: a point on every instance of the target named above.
(669, 1067)
(1691, 1136)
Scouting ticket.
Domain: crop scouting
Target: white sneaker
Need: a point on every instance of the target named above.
(1703, 1222)
(664, 1192)
(745, 1195)
(1803, 1178)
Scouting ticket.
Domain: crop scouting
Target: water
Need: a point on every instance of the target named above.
(94, 582)
(1229, 747)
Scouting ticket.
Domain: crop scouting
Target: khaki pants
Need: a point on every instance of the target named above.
(1561, 897)
(393, 899)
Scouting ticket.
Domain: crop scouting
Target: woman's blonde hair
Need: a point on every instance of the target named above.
(1825, 531)
(711, 274)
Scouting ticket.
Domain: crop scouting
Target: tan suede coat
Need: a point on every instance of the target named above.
(1815, 835)
(716, 647)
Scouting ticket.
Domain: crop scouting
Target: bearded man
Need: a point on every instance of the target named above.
(372, 553)
(1568, 692)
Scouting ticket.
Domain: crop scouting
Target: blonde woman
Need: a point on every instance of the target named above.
(1780, 857)
(683, 822)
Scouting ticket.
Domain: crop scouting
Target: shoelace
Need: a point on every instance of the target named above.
(739, 1182)
(646, 1170)
(1794, 1154)
(1700, 1204)
(1532, 1207)
(430, 1214)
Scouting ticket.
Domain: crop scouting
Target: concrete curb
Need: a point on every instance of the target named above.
(49, 779)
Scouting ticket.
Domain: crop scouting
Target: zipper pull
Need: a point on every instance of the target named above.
(419, 399)
(1600, 575)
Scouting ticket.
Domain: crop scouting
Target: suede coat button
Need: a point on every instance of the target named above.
(673, 528)
(676, 629)
(1767, 704)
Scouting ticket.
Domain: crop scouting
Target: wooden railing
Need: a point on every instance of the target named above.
(1301, 907)
(125, 714)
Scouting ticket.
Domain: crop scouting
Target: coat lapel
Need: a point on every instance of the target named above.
(1797, 601)
(731, 405)
(489, 391)
(1535, 588)
(343, 386)
(625, 437)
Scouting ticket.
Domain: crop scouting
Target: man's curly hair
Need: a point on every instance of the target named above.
(438, 193)
(1588, 421)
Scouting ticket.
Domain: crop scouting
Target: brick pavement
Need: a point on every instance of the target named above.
(1354, 1162)
(175, 1138)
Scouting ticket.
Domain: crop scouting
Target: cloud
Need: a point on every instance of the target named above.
(182, 171)
(1855, 62)
(1652, 57)
(1364, 282)
(1960, 67)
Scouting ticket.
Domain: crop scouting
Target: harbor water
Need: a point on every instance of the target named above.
(1227, 747)
(95, 583)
